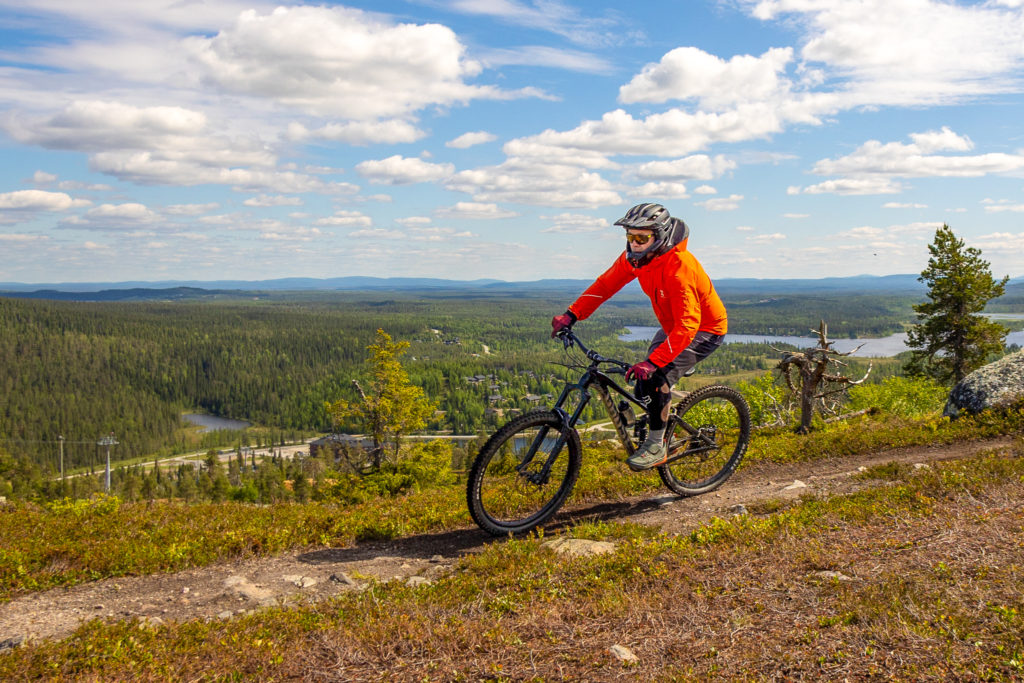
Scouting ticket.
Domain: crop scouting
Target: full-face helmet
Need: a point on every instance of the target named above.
(653, 217)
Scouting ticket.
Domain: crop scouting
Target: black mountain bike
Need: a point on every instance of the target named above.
(527, 469)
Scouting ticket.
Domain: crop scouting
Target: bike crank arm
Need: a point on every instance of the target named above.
(690, 452)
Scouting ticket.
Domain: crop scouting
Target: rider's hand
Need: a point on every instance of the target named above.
(642, 370)
(561, 322)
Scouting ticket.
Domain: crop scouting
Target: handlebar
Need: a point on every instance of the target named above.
(569, 339)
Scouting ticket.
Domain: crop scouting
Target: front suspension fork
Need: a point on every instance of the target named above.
(568, 424)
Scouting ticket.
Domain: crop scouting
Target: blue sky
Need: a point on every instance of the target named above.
(470, 139)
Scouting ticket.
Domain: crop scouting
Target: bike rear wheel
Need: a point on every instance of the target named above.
(708, 434)
(507, 497)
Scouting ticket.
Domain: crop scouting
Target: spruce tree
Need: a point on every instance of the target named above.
(952, 337)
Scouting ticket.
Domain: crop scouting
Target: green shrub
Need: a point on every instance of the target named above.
(903, 396)
(423, 466)
(765, 396)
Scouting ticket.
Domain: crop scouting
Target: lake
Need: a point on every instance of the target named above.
(873, 347)
(211, 423)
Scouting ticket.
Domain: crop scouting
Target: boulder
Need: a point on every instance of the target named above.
(578, 547)
(996, 385)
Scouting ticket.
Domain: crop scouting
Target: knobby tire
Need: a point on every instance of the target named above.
(727, 411)
(502, 501)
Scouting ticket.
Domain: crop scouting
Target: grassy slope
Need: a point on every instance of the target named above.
(930, 588)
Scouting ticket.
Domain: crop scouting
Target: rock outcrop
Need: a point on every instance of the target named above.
(995, 385)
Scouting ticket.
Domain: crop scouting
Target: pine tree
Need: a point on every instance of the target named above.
(952, 338)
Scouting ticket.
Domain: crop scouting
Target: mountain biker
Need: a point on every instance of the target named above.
(692, 316)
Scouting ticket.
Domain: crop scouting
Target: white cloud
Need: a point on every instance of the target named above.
(696, 167)
(399, 170)
(885, 51)
(475, 210)
(392, 131)
(43, 178)
(679, 133)
(862, 232)
(522, 181)
(766, 239)
(163, 146)
(546, 56)
(690, 73)
(745, 228)
(94, 125)
(730, 203)
(1002, 243)
(575, 223)
(1001, 208)
(337, 61)
(409, 221)
(537, 152)
(662, 190)
(284, 233)
(851, 186)
(146, 168)
(796, 215)
(264, 200)
(346, 218)
(903, 205)
(417, 234)
(893, 234)
(582, 27)
(896, 159)
(190, 209)
(705, 189)
(21, 238)
(129, 212)
(467, 140)
(39, 200)
(377, 233)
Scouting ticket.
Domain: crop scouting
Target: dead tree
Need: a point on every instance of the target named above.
(816, 385)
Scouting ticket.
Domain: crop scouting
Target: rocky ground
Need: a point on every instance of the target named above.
(224, 590)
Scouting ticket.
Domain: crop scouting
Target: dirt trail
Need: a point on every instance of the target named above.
(224, 590)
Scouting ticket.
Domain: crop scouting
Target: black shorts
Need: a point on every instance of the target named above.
(702, 346)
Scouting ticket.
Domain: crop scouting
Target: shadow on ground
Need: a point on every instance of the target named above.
(463, 541)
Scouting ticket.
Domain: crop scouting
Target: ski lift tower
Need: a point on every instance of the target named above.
(108, 441)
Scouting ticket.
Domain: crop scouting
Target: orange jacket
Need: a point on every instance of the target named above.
(681, 293)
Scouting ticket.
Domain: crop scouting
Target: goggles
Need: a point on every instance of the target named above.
(635, 238)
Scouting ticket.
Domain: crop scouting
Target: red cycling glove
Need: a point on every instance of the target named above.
(642, 370)
(561, 322)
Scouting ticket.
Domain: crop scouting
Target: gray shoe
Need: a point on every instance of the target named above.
(651, 454)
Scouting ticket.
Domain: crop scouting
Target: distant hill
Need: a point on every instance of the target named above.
(904, 284)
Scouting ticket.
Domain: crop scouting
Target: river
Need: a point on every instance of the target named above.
(871, 347)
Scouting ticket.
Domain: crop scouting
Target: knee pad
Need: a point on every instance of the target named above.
(649, 393)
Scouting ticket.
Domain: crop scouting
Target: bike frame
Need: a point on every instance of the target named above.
(593, 376)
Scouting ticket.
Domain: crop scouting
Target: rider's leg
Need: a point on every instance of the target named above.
(702, 346)
(656, 395)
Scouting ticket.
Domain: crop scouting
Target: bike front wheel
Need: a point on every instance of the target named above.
(708, 434)
(523, 474)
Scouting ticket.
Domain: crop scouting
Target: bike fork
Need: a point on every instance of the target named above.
(568, 422)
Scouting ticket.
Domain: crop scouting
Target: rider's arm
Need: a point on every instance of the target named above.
(604, 288)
